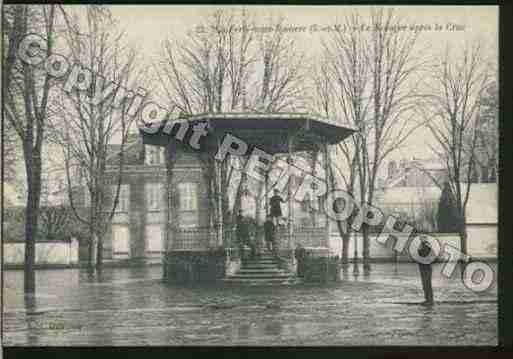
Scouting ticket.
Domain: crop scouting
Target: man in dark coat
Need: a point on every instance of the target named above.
(426, 272)
(300, 254)
(242, 232)
(275, 204)
(269, 229)
(243, 235)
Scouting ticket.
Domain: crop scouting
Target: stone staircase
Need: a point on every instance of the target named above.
(263, 270)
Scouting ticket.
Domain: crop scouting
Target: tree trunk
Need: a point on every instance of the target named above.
(225, 204)
(90, 255)
(366, 248)
(30, 244)
(463, 236)
(99, 252)
(345, 249)
(33, 170)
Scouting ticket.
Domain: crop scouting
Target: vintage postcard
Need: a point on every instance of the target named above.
(249, 175)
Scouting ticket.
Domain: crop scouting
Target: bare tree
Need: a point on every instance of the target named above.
(341, 92)
(453, 106)
(488, 134)
(26, 90)
(85, 125)
(207, 72)
(225, 67)
(276, 87)
(372, 68)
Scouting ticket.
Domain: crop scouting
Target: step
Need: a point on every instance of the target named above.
(252, 261)
(261, 282)
(260, 259)
(260, 263)
(261, 270)
(260, 267)
(261, 276)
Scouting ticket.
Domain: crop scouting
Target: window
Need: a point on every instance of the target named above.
(188, 205)
(154, 193)
(188, 195)
(124, 198)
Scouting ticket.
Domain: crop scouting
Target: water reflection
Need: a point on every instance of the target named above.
(426, 320)
(356, 269)
(273, 328)
(128, 306)
(243, 331)
(30, 303)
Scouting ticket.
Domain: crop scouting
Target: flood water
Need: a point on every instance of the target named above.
(132, 306)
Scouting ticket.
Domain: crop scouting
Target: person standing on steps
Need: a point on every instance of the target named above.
(426, 272)
(242, 231)
(300, 254)
(269, 229)
(275, 203)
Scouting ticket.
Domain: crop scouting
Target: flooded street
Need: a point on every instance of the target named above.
(132, 306)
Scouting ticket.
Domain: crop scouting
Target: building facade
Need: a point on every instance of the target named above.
(138, 229)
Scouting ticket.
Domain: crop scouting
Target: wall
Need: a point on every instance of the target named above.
(482, 243)
(62, 253)
(482, 240)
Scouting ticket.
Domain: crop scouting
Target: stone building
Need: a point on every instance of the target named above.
(138, 226)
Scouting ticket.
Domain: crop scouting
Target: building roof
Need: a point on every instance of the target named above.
(267, 131)
(131, 150)
(482, 207)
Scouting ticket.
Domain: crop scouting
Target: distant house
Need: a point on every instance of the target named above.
(427, 172)
(481, 214)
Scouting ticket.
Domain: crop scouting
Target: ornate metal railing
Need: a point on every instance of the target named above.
(306, 236)
(196, 238)
(203, 238)
(310, 236)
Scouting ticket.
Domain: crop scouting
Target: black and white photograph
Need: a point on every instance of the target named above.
(250, 175)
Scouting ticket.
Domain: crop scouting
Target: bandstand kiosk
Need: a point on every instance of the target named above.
(199, 245)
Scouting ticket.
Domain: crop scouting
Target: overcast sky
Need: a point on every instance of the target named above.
(148, 26)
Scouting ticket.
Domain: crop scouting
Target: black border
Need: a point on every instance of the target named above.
(505, 236)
